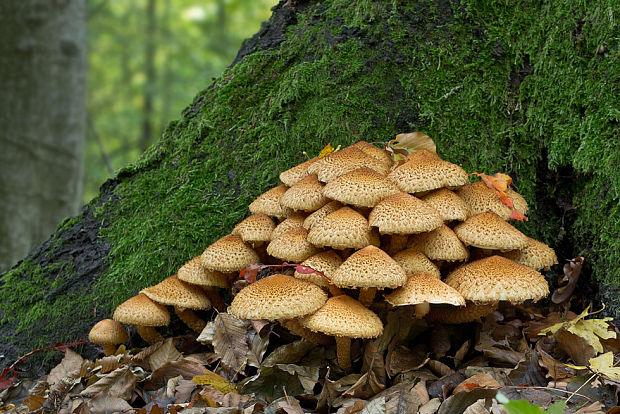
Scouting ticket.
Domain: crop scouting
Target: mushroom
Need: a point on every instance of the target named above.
(427, 174)
(293, 175)
(306, 195)
(439, 244)
(341, 162)
(362, 187)
(194, 273)
(454, 315)
(403, 213)
(488, 231)
(536, 255)
(320, 213)
(255, 229)
(344, 318)
(294, 220)
(269, 203)
(325, 262)
(292, 246)
(378, 153)
(228, 254)
(481, 198)
(108, 333)
(144, 314)
(449, 206)
(342, 229)
(413, 261)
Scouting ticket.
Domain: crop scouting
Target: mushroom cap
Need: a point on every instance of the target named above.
(454, 315)
(536, 255)
(108, 332)
(172, 291)
(277, 297)
(320, 213)
(141, 311)
(489, 231)
(344, 161)
(228, 254)
(256, 228)
(402, 213)
(325, 262)
(370, 149)
(269, 203)
(481, 198)
(344, 228)
(292, 246)
(413, 261)
(448, 205)
(369, 267)
(422, 154)
(293, 175)
(345, 317)
(424, 288)
(427, 174)
(294, 220)
(439, 244)
(194, 273)
(496, 278)
(362, 187)
(306, 195)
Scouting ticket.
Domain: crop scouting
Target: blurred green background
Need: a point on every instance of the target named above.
(147, 60)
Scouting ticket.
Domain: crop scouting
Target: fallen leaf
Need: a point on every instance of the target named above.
(69, 367)
(439, 368)
(401, 359)
(105, 404)
(119, 383)
(499, 352)
(402, 398)
(230, 341)
(216, 381)
(375, 406)
(604, 364)
(286, 405)
(444, 386)
(373, 361)
(186, 368)
(34, 402)
(595, 407)
(440, 341)
(459, 402)
(501, 183)
(528, 370)
(431, 407)
(166, 352)
(183, 391)
(258, 347)
(333, 389)
(568, 281)
(365, 387)
(481, 380)
(327, 150)
(308, 376)
(477, 408)
(412, 141)
(270, 382)
(289, 353)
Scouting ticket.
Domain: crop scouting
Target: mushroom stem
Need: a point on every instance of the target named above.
(343, 352)
(149, 334)
(397, 243)
(190, 319)
(109, 349)
(216, 300)
(335, 290)
(317, 338)
(420, 310)
(367, 295)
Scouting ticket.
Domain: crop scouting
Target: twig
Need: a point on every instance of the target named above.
(582, 385)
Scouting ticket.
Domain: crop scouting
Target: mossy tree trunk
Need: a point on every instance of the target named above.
(525, 88)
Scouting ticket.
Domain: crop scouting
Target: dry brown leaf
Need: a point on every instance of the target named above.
(556, 369)
(187, 369)
(166, 352)
(289, 353)
(183, 391)
(461, 353)
(481, 380)
(365, 387)
(230, 341)
(439, 368)
(595, 407)
(141, 358)
(575, 346)
(216, 381)
(234, 400)
(69, 367)
(333, 389)
(288, 405)
(34, 402)
(373, 361)
(258, 347)
(499, 352)
(568, 281)
(402, 399)
(401, 359)
(108, 364)
(431, 407)
(528, 371)
(105, 404)
(444, 386)
(262, 327)
(477, 408)
(440, 341)
(119, 383)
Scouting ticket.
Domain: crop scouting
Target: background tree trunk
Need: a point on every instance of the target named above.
(42, 120)
(528, 89)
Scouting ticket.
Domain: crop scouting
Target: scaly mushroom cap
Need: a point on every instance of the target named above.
(320, 213)
(294, 175)
(448, 205)
(536, 255)
(343, 316)
(108, 332)
(171, 291)
(439, 244)
(380, 154)
(413, 261)
(141, 311)
(194, 273)
(369, 267)
(362, 187)
(427, 174)
(269, 203)
(496, 278)
(341, 162)
(325, 262)
(481, 198)
(306, 195)
(292, 246)
(344, 228)
(424, 288)
(295, 220)
(403, 213)
(453, 315)
(277, 297)
(256, 228)
(489, 231)
(422, 154)
(228, 254)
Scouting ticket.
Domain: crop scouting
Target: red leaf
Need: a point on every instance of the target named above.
(250, 272)
(304, 270)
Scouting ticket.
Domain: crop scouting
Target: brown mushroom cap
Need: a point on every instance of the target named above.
(142, 311)
(292, 246)
(481, 198)
(448, 205)
(403, 213)
(362, 187)
(344, 161)
(293, 175)
(343, 316)
(489, 231)
(108, 332)
(228, 254)
(295, 220)
(277, 297)
(194, 273)
(427, 174)
(325, 262)
(439, 244)
(413, 261)
(369, 267)
(344, 228)
(536, 255)
(454, 315)
(320, 213)
(306, 195)
(370, 149)
(254, 229)
(172, 291)
(496, 278)
(269, 203)
(424, 288)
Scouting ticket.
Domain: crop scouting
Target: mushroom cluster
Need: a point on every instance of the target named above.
(372, 230)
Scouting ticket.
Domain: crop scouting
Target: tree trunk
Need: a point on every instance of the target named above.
(527, 89)
(42, 121)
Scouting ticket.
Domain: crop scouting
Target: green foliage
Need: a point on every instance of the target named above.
(524, 407)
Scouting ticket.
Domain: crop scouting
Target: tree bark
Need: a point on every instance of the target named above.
(42, 120)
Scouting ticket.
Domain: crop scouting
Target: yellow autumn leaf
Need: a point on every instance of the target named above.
(604, 364)
(413, 141)
(216, 381)
(328, 150)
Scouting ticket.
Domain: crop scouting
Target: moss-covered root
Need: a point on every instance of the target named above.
(343, 353)
(149, 334)
(190, 319)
